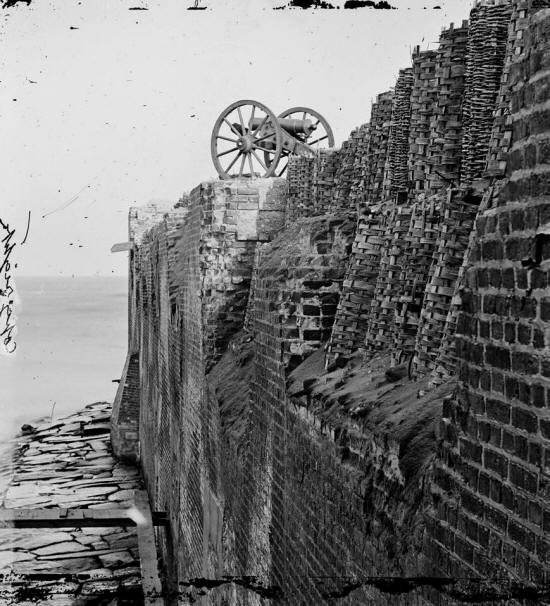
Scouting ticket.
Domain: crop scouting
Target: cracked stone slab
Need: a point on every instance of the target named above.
(58, 548)
(33, 541)
(116, 558)
(7, 558)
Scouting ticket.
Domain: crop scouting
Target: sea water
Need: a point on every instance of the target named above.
(71, 343)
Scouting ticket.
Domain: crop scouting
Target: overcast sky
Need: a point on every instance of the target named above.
(102, 107)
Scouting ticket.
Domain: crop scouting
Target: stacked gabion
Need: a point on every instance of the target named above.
(378, 147)
(458, 214)
(487, 38)
(398, 143)
(357, 190)
(325, 168)
(423, 96)
(417, 254)
(345, 173)
(444, 151)
(299, 198)
(358, 287)
(381, 324)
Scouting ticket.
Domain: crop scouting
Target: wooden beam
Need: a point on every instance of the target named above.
(71, 518)
(77, 518)
(150, 579)
(63, 518)
(122, 246)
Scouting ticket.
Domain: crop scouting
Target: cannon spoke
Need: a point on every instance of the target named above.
(259, 160)
(232, 127)
(241, 120)
(228, 151)
(269, 135)
(234, 160)
(317, 140)
(250, 164)
(251, 118)
(226, 138)
(242, 165)
(261, 125)
(283, 170)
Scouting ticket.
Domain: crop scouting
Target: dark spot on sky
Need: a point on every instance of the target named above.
(381, 4)
(310, 4)
(10, 3)
(138, 8)
(71, 27)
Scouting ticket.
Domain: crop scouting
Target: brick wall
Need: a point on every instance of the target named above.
(302, 477)
(125, 413)
(190, 274)
(311, 493)
(490, 508)
(501, 131)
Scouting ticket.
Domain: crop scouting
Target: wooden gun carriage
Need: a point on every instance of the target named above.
(250, 139)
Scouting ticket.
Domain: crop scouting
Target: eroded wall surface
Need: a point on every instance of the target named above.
(492, 487)
(343, 375)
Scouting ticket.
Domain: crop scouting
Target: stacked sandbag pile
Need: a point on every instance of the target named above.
(458, 215)
(423, 96)
(325, 168)
(444, 148)
(487, 38)
(299, 188)
(377, 150)
(417, 253)
(398, 143)
(381, 323)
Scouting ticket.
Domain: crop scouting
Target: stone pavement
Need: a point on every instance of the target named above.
(69, 464)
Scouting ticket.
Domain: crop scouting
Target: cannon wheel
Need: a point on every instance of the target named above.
(233, 139)
(320, 138)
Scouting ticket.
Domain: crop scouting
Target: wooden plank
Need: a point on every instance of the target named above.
(63, 518)
(59, 517)
(150, 579)
(122, 246)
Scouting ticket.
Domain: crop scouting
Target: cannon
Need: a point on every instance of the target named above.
(251, 140)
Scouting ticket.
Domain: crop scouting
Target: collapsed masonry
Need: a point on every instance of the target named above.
(344, 374)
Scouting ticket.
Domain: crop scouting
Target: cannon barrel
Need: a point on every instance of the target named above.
(291, 125)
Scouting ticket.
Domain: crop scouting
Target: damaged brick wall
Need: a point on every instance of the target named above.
(316, 511)
(490, 500)
(298, 476)
(379, 173)
(435, 331)
(486, 46)
(501, 131)
(191, 274)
